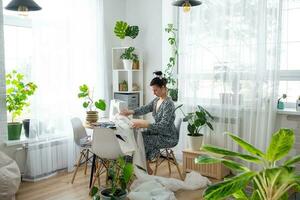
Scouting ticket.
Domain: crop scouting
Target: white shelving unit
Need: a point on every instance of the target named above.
(132, 77)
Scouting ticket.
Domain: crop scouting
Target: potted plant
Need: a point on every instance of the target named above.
(196, 121)
(17, 95)
(90, 104)
(136, 63)
(274, 179)
(122, 29)
(120, 174)
(127, 57)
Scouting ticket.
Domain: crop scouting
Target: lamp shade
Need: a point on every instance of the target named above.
(29, 4)
(181, 3)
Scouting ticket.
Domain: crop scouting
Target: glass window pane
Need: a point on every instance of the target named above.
(291, 88)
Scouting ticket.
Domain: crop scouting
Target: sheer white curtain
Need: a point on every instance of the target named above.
(68, 52)
(228, 63)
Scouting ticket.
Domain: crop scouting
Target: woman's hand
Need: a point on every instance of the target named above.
(126, 112)
(140, 123)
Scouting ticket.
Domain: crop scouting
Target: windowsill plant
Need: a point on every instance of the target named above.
(120, 173)
(90, 104)
(17, 98)
(273, 181)
(196, 121)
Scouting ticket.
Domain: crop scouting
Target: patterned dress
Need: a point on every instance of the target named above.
(162, 133)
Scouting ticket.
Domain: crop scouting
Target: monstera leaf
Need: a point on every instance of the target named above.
(120, 29)
(132, 31)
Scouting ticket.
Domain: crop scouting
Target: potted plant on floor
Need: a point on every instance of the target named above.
(120, 173)
(276, 176)
(90, 104)
(196, 121)
(17, 96)
(128, 57)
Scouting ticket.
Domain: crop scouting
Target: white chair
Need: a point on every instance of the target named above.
(82, 141)
(167, 154)
(106, 147)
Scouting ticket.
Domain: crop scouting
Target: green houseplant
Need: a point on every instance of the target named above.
(120, 173)
(169, 71)
(271, 182)
(17, 98)
(196, 121)
(128, 57)
(122, 29)
(90, 104)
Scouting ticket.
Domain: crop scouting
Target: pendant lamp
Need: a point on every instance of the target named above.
(23, 6)
(186, 4)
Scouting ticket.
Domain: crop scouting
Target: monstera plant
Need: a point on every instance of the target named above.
(276, 177)
(122, 29)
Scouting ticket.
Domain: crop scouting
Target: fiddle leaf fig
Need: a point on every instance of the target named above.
(89, 103)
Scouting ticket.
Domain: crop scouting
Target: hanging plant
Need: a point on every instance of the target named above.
(169, 71)
(122, 29)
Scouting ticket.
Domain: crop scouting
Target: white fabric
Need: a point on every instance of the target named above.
(10, 177)
(228, 63)
(161, 188)
(68, 51)
(133, 140)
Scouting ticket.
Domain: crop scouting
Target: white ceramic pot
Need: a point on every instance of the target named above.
(195, 142)
(127, 64)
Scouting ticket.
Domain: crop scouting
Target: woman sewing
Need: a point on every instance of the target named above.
(162, 133)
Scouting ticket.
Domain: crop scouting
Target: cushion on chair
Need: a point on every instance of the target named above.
(10, 177)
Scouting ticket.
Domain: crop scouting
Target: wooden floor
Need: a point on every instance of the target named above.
(60, 188)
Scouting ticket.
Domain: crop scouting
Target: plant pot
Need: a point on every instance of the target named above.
(26, 125)
(14, 130)
(127, 64)
(91, 116)
(105, 194)
(136, 65)
(195, 142)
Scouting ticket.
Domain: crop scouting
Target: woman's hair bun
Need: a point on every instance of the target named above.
(158, 73)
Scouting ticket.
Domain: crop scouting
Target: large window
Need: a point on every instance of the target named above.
(290, 49)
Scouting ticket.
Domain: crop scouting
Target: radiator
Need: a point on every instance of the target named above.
(45, 159)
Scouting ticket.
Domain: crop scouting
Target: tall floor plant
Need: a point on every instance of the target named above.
(272, 182)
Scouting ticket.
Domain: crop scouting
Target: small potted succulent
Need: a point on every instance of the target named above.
(120, 173)
(17, 98)
(90, 104)
(196, 121)
(128, 58)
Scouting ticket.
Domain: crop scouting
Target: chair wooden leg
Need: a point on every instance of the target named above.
(168, 159)
(86, 161)
(176, 164)
(77, 166)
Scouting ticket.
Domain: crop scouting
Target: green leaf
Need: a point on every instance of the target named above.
(226, 152)
(205, 159)
(281, 143)
(245, 145)
(127, 172)
(235, 166)
(292, 161)
(191, 128)
(255, 195)
(84, 88)
(94, 191)
(120, 29)
(85, 104)
(132, 31)
(227, 188)
(241, 195)
(100, 104)
(210, 126)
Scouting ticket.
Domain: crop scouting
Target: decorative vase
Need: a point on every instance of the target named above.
(105, 194)
(26, 125)
(127, 64)
(91, 116)
(195, 142)
(14, 130)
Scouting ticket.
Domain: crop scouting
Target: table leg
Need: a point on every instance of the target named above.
(92, 170)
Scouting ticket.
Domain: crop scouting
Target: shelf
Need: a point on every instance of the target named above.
(288, 111)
